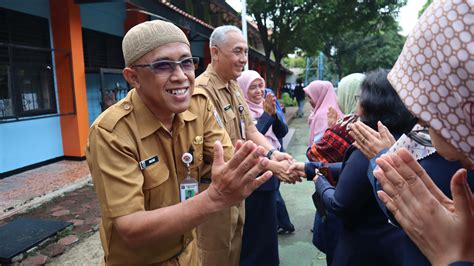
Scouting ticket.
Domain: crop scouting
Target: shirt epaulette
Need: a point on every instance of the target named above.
(201, 92)
(202, 80)
(113, 114)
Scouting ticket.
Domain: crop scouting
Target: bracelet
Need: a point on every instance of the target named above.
(270, 153)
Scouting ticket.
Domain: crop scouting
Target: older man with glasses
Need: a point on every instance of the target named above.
(146, 153)
(220, 238)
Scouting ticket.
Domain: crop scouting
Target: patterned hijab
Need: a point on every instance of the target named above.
(256, 110)
(322, 94)
(348, 88)
(434, 74)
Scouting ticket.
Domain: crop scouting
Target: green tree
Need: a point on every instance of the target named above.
(425, 6)
(278, 24)
(359, 51)
(294, 62)
(315, 24)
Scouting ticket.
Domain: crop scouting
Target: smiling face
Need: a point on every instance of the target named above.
(256, 91)
(230, 57)
(164, 95)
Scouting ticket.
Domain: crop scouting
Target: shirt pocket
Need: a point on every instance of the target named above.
(154, 188)
(230, 124)
(198, 160)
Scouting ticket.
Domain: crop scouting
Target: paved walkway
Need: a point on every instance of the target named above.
(31, 188)
(297, 249)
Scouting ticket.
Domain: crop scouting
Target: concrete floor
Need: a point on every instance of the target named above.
(296, 248)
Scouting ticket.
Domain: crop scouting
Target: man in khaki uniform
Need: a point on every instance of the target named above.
(220, 238)
(135, 154)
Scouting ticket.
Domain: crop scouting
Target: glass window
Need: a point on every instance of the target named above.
(33, 82)
(26, 67)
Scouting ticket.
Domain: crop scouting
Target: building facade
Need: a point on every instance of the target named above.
(61, 62)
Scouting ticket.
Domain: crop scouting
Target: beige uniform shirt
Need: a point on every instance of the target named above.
(128, 133)
(220, 238)
(229, 102)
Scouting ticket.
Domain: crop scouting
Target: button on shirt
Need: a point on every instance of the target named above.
(128, 133)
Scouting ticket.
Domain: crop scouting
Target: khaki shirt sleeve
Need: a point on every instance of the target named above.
(212, 133)
(115, 172)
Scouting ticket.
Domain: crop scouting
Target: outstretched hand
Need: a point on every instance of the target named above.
(235, 180)
(281, 156)
(369, 141)
(439, 226)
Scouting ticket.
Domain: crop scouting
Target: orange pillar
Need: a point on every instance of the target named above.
(70, 75)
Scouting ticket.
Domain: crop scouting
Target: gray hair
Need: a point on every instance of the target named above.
(218, 36)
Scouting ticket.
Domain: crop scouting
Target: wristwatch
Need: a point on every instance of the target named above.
(270, 153)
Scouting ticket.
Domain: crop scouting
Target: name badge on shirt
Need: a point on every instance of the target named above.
(147, 162)
(189, 187)
(226, 107)
(218, 119)
(242, 122)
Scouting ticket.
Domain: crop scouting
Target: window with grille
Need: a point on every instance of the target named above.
(101, 50)
(26, 67)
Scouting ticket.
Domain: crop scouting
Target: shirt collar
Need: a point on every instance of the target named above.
(219, 82)
(147, 122)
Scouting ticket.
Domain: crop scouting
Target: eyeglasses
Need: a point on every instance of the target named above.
(167, 67)
(237, 51)
(421, 136)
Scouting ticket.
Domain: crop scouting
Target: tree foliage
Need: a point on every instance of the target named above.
(425, 6)
(315, 25)
(279, 23)
(294, 62)
(361, 51)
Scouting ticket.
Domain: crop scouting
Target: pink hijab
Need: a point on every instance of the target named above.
(256, 110)
(322, 94)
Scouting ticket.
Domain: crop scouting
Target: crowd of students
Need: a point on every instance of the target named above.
(400, 195)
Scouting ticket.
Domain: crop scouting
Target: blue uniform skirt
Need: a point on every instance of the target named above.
(260, 239)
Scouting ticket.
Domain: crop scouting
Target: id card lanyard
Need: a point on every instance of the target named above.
(242, 121)
(189, 187)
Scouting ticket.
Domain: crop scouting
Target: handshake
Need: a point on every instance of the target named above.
(287, 169)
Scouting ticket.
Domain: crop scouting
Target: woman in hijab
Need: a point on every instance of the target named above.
(260, 240)
(434, 78)
(365, 236)
(321, 96)
(348, 91)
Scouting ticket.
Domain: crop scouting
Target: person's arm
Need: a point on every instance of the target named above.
(231, 183)
(254, 135)
(119, 176)
(440, 227)
(264, 122)
(352, 189)
(334, 168)
(369, 141)
(376, 186)
(280, 128)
